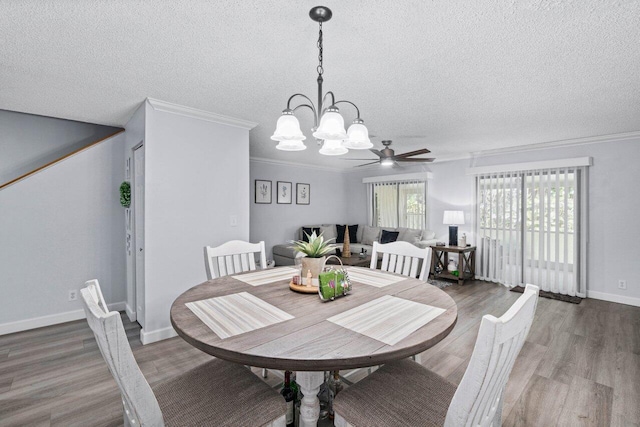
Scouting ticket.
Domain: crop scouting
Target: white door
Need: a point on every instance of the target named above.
(138, 207)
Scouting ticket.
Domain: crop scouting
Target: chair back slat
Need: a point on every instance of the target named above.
(233, 257)
(478, 399)
(140, 404)
(402, 258)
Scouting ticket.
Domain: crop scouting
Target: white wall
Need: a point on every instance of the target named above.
(277, 223)
(28, 142)
(446, 191)
(613, 212)
(59, 228)
(196, 177)
(613, 206)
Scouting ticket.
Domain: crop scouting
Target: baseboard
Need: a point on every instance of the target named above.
(157, 335)
(52, 319)
(620, 299)
(130, 313)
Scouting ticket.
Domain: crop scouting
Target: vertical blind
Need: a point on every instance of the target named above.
(398, 204)
(529, 228)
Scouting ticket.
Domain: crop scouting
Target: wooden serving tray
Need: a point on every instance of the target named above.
(303, 289)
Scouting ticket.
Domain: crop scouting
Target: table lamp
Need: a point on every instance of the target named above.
(453, 219)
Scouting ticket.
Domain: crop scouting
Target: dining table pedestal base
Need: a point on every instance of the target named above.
(309, 383)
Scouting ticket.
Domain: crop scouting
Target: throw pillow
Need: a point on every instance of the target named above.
(353, 233)
(329, 232)
(410, 235)
(389, 236)
(370, 235)
(308, 231)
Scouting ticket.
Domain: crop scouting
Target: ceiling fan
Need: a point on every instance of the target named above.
(387, 156)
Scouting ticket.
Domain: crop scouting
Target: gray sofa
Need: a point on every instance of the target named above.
(284, 255)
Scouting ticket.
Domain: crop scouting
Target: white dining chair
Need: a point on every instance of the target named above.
(406, 393)
(402, 258)
(232, 257)
(214, 393)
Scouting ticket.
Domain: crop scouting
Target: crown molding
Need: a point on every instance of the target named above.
(195, 113)
(560, 143)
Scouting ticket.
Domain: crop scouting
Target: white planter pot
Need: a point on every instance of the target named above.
(313, 265)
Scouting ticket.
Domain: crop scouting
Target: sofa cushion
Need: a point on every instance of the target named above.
(370, 235)
(410, 235)
(353, 233)
(284, 251)
(388, 236)
(328, 232)
(307, 231)
(428, 234)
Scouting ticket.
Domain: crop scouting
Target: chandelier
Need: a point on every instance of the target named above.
(328, 126)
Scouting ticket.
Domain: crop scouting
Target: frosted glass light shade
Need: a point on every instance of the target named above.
(331, 127)
(386, 162)
(453, 218)
(358, 137)
(333, 147)
(288, 129)
(291, 145)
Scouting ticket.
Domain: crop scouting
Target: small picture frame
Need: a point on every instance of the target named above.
(263, 191)
(303, 194)
(284, 192)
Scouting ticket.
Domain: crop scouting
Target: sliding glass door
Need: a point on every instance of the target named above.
(528, 228)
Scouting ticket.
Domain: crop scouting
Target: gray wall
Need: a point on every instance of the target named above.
(276, 223)
(59, 228)
(28, 141)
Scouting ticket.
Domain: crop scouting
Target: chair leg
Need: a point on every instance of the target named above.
(497, 418)
(264, 373)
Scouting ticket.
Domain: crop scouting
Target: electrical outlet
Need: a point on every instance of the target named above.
(73, 295)
(622, 284)
(233, 220)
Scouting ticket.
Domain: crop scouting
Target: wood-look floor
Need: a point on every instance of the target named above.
(579, 366)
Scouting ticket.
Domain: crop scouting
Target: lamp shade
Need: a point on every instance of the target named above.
(288, 129)
(453, 218)
(333, 147)
(331, 126)
(292, 145)
(358, 137)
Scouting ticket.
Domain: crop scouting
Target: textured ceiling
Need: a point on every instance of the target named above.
(453, 76)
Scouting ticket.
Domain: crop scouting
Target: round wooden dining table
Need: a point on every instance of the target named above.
(254, 319)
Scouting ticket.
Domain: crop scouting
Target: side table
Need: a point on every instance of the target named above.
(440, 261)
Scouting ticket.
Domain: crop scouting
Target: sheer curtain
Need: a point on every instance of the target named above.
(529, 228)
(398, 203)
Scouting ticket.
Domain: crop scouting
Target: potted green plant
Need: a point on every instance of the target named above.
(315, 250)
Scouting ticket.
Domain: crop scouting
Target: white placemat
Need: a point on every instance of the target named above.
(263, 277)
(387, 319)
(236, 314)
(375, 278)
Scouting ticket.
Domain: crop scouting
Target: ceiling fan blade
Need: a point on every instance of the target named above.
(367, 164)
(412, 160)
(376, 152)
(413, 153)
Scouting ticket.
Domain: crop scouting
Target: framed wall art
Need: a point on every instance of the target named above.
(303, 194)
(285, 190)
(263, 191)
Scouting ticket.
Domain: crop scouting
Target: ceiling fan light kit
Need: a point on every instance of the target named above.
(328, 122)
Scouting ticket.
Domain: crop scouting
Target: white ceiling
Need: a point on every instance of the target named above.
(453, 76)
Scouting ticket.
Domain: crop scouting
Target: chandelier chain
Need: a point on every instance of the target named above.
(320, 68)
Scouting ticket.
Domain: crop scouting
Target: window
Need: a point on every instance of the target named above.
(399, 204)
